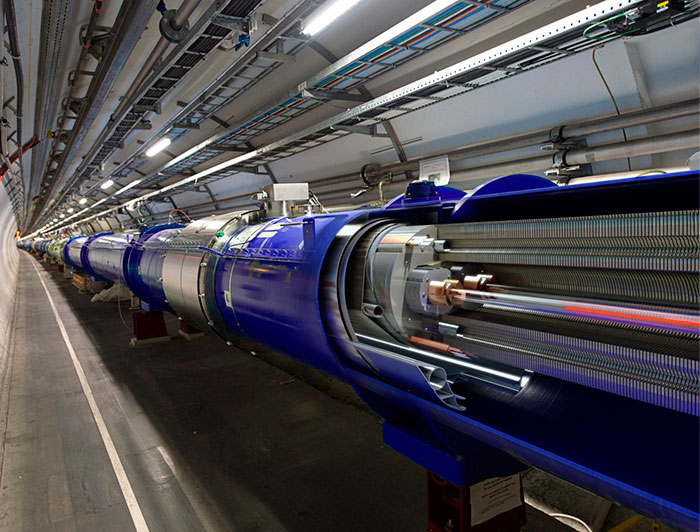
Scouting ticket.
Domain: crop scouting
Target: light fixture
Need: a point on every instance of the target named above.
(127, 187)
(106, 184)
(83, 201)
(158, 147)
(55, 220)
(70, 210)
(61, 215)
(327, 14)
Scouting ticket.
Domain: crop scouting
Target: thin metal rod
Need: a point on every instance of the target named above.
(618, 150)
(636, 147)
(589, 127)
(179, 20)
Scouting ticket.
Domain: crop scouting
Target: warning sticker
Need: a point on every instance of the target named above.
(493, 497)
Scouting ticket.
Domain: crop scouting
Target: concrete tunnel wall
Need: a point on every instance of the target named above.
(9, 257)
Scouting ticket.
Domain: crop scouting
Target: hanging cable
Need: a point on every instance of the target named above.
(603, 22)
(121, 316)
(170, 215)
(614, 102)
(573, 518)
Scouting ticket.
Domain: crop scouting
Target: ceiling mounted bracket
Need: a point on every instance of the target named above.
(362, 130)
(73, 75)
(232, 23)
(316, 94)
(76, 104)
(143, 125)
(145, 108)
(97, 47)
(186, 124)
(560, 168)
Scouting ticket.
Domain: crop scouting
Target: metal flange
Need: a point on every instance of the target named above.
(168, 30)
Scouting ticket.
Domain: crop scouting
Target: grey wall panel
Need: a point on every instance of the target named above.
(9, 256)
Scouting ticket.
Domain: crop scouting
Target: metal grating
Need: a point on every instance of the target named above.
(206, 39)
(452, 22)
(424, 37)
(459, 79)
(533, 50)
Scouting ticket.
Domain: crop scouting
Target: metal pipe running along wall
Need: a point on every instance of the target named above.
(550, 324)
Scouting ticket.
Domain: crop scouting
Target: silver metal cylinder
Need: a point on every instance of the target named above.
(186, 282)
(106, 256)
(635, 147)
(182, 268)
(74, 248)
(56, 249)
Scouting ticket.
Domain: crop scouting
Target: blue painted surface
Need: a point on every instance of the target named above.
(110, 250)
(266, 288)
(596, 440)
(652, 193)
(143, 265)
(85, 257)
(66, 257)
(273, 288)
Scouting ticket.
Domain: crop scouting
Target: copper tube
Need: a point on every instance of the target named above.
(439, 292)
(437, 346)
(476, 282)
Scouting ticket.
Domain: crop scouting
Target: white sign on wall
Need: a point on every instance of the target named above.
(436, 170)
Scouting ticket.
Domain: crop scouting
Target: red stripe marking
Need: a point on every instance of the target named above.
(633, 316)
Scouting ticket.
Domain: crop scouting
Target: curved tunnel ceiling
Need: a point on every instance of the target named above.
(219, 98)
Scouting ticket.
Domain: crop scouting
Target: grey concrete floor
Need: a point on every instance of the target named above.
(210, 437)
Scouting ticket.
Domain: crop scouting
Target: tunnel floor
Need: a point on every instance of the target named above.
(209, 437)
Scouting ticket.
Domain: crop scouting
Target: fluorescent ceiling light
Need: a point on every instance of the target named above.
(327, 14)
(106, 184)
(127, 187)
(83, 201)
(158, 147)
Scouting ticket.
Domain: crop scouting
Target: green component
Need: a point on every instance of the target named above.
(219, 234)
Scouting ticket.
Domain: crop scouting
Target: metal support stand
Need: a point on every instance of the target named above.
(149, 328)
(188, 332)
(81, 282)
(134, 302)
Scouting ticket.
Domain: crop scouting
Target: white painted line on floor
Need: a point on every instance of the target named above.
(128, 492)
(194, 503)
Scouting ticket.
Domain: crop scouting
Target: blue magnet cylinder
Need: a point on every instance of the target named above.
(71, 252)
(266, 289)
(143, 265)
(103, 266)
(104, 256)
(269, 282)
